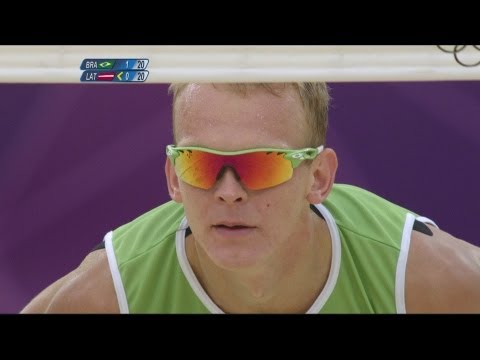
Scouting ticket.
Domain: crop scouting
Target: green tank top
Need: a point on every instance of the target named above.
(370, 242)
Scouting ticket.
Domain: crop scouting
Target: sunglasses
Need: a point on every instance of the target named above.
(257, 168)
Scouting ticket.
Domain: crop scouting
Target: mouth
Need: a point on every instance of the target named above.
(232, 225)
(233, 229)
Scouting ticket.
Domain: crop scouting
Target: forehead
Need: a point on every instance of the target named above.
(205, 114)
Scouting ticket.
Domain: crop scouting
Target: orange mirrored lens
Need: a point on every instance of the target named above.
(257, 170)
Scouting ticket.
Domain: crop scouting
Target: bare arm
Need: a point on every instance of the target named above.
(443, 274)
(87, 289)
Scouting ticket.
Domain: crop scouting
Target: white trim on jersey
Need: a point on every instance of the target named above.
(402, 260)
(188, 271)
(117, 279)
(402, 264)
(335, 265)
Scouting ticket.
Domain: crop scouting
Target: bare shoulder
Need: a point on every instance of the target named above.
(87, 289)
(443, 274)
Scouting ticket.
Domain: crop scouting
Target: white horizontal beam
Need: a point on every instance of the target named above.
(61, 64)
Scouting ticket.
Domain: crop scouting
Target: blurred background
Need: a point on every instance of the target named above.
(77, 161)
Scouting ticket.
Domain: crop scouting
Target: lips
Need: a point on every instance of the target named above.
(233, 229)
(232, 225)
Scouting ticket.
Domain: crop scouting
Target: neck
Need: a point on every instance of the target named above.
(289, 282)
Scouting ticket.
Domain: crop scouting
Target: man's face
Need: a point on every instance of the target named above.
(237, 227)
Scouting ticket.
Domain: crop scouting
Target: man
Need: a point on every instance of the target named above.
(257, 225)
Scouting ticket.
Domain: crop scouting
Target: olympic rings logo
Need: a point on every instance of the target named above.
(459, 55)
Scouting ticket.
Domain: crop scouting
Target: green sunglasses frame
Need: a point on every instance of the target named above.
(295, 156)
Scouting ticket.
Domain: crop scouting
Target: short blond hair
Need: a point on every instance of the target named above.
(315, 99)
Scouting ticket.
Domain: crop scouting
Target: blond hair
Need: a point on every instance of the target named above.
(315, 99)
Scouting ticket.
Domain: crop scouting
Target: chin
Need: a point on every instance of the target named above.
(232, 258)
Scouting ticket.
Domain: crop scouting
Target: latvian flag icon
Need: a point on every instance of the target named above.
(105, 76)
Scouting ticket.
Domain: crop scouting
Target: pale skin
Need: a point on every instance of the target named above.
(271, 265)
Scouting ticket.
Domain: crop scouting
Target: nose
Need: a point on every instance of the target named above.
(229, 189)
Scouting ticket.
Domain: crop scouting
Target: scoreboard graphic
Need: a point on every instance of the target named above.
(114, 70)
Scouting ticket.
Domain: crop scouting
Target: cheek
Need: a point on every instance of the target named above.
(284, 202)
(276, 219)
(280, 205)
(194, 202)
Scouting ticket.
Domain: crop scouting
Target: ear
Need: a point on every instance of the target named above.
(172, 181)
(323, 171)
